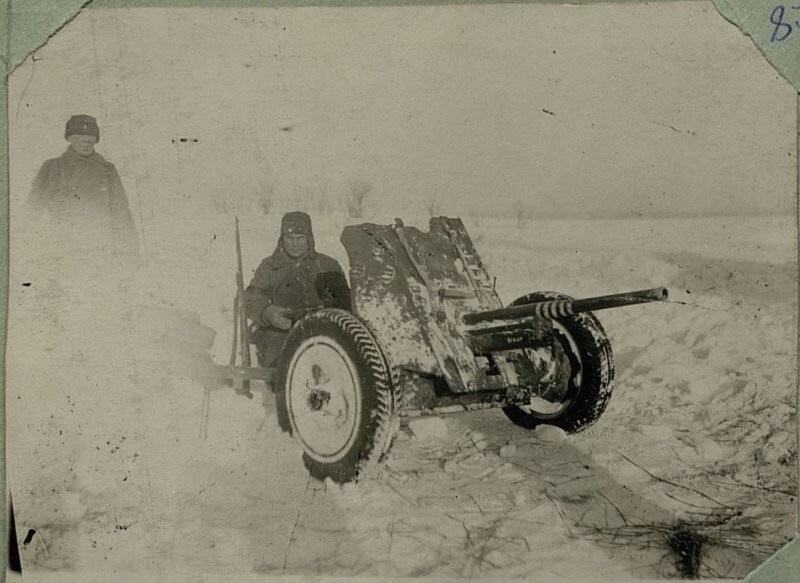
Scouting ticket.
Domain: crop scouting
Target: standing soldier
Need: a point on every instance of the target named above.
(83, 193)
(294, 278)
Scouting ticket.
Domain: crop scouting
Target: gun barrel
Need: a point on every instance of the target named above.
(554, 309)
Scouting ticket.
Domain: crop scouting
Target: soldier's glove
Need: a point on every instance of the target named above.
(277, 317)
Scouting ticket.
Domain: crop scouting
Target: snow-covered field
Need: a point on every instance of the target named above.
(115, 470)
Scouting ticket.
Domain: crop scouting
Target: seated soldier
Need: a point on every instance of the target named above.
(295, 278)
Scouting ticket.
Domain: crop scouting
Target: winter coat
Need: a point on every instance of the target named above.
(314, 280)
(85, 193)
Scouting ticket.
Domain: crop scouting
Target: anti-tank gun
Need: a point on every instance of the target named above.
(428, 334)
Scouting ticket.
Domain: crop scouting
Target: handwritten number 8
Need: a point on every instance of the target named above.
(782, 29)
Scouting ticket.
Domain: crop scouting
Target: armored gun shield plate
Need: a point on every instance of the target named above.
(413, 287)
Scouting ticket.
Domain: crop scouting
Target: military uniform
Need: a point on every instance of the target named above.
(84, 195)
(312, 281)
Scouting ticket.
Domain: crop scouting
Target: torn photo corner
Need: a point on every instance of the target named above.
(373, 221)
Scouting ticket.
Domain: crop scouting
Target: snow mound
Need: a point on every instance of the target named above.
(549, 433)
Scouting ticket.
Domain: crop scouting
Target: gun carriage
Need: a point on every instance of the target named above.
(428, 334)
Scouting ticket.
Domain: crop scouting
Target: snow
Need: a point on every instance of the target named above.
(508, 450)
(427, 427)
(549, 433)
(127, 461)
(114, 465)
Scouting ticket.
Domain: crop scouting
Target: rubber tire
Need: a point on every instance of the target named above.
(377, 394)
(597, 379)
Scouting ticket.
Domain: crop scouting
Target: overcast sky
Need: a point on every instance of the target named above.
(620, 110)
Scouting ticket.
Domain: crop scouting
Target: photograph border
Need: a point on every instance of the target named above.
(29, 24)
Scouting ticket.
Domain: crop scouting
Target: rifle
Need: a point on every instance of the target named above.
(235, 375)
(241, 386)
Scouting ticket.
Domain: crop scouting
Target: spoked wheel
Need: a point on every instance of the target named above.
(334, 393)
(576, 391)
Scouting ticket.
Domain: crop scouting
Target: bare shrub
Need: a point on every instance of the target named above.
(265, 197)
(522, 212)
(356, 197)
(433, 203)
(323, 204)
(225, 205)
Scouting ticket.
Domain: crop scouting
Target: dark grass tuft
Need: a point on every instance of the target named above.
(686, 542)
